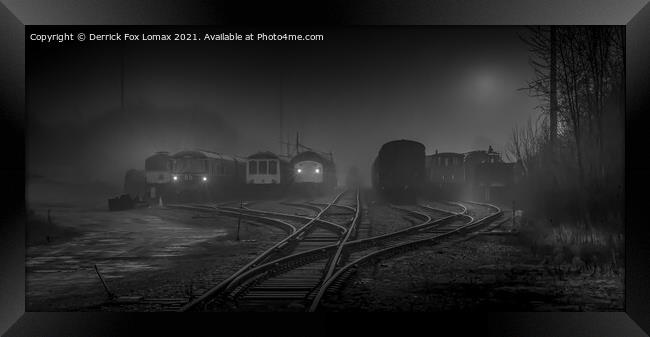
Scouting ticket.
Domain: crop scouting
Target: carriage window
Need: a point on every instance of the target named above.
(446, 162)
(263, 166)
(222, 169)
(273, 167)
(252, 167)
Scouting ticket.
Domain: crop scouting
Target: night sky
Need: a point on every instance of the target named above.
(453, 89)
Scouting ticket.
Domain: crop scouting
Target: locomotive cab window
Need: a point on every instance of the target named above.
(252, 167)
(263, 167)
(273, 167)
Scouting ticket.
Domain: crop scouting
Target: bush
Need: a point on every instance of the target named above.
(578, 244)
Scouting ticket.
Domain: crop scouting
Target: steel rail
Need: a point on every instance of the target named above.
(273, 263)
(202, 300)
(366, 257)
(340, 206)
(334, 261)
(284, 215)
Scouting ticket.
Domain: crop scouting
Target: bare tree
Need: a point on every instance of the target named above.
(578, 76)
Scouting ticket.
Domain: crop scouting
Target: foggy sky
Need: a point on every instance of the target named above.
(453, 89)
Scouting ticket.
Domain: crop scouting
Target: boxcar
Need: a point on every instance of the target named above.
(398, 172)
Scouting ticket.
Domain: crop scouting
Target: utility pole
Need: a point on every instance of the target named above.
(297, 143)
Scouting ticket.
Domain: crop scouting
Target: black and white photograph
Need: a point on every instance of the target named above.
(400, 169)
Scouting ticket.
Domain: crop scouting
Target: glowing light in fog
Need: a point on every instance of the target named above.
(299, 170)
(205, 178)
(175, 178)
(317, 170)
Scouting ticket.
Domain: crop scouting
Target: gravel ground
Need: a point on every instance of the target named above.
(443, 206)
(155, 253)
(276, 206)
(172, 254)
(384, 219)
(485, 273)
(327, 197)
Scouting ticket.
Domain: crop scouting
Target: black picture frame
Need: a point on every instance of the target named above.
(15, 15)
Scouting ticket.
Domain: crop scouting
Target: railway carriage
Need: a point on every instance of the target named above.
(445, 175)
(204, 175)
(398, 172)
(476, 175)
(135, 183)
(490, 178)
(158, 174)
(267, 174)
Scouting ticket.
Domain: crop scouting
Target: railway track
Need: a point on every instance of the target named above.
(316, 259)
(289, 282)
(430, 231)
(287, 270)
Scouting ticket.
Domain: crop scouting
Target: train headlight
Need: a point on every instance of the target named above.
(175, 178)
(299, 170)
(205, 178)
(317, 170)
